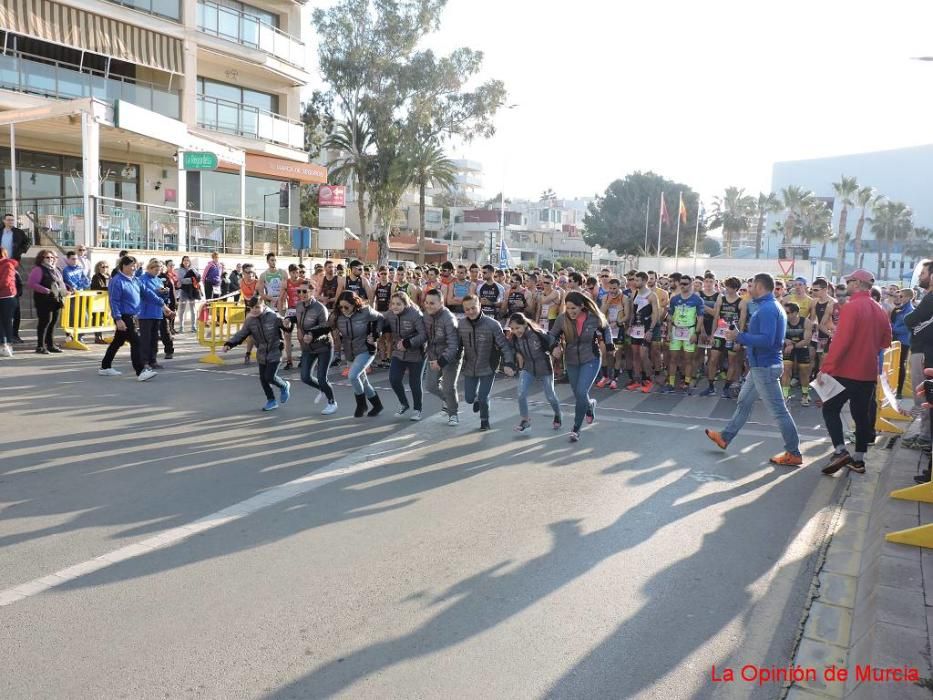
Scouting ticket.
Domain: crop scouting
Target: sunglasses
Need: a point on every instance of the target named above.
(304, 291)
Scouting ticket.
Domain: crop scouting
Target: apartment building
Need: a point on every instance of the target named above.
(154, 124)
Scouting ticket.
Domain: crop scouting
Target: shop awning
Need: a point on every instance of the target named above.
(69, 26)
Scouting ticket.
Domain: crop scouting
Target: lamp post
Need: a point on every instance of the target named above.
(502, 197)
(264, 197)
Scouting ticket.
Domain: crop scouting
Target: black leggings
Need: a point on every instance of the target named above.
(268, 377)
(415, 372)
(861, 397)
(130, 335)
(320, 362)
(905, 351)
(45, 330)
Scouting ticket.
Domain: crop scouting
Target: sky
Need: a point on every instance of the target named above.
(706, 93)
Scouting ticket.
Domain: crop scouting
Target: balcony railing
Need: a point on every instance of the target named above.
(248, 30)
(244, 120)
(127, 225)
(24, 73)
(169, 9)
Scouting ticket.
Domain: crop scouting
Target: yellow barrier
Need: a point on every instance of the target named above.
(83, 312)
(884, 393)
(921, 536)
(217, 323)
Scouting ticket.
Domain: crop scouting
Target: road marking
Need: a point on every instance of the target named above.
(349, 464)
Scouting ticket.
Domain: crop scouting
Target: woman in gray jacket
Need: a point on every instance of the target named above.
(481, 337)
(533, 346)
(317, 349)
(358, 326)
(405, 324)
(265, 327)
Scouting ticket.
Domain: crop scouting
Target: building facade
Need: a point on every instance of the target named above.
(154, 124)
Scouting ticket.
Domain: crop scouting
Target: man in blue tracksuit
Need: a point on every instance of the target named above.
(765, 343)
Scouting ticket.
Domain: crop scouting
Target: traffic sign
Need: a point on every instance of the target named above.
(199, 160)
(301, 238)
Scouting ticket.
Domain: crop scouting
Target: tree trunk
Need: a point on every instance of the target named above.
(878, 240)
(841, 254)
(789, 228)
(361, 209)
(761, 226)
(858, 239)
(422, 244)
(823, 249)
(384, 244)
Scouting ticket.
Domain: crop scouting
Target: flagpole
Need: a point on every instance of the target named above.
(660, 214)
(696, 238)
(680, 204)
(647, 208)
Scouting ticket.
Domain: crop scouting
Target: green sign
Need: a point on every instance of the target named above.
(194, 160)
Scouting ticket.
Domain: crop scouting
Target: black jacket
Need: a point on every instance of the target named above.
(920, 323)
(20, 243)
(534, 347)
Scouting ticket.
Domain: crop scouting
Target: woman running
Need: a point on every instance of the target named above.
(317, 350)
(265, 327)
(532, 354)
(480, 337)
(358, 326)
(405, 323)
(585, 332)
(124, 307)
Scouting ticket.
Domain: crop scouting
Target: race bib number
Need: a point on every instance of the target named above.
(821, 346)
(682, 333)
(290, 313)
(720, 331)
(637, 332)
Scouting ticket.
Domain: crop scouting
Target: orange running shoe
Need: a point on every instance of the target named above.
(345, 372)
(647, 386)
(787, 460)
(717, 438)
(602, 382)
(634, 386)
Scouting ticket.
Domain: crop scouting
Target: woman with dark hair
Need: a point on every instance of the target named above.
(189, 294)
(585, 331)
(48, 291)
(405, 325)
(532, 347)
(153, 310)
(124, 307)
(99, 282)
(358, 326)
(317, 349)
(8, 305)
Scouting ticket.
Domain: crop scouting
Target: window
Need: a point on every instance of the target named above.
(235, 21)
(220, 194)
(240, 96)
(40, 175)
(163, 8)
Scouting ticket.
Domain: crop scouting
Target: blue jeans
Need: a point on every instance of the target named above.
(269, 377)
(319, 381)
(525, 380)
(477, 389)
(581, 381)
(397, 371)
(766, 383)
(358, 379)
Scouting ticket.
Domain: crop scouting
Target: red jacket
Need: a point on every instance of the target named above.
(8, 277)
(863, 331)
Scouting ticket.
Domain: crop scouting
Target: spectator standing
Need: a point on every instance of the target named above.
(99, 282)
(920, 323)
(8, 301)
(48, 289)
(233, 283)
(213, 277)
(864, 331)
(189, 294)
(76, 279)
(170, 277)
(84, 261)
(16, 243)
(904, 304)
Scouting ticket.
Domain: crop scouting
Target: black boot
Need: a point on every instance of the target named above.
(377, 405)
(360, 406)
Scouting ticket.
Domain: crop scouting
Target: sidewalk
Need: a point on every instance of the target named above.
(872, 600)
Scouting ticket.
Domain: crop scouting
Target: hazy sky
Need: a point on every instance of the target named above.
(707, 93)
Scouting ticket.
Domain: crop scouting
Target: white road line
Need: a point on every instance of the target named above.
(349, 464)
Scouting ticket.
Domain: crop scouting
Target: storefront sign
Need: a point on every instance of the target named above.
(332, 196)
(199, 160)
(332, 217)
(307, 173)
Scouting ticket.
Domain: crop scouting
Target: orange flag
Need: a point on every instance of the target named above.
(665, 217)
(683, 210)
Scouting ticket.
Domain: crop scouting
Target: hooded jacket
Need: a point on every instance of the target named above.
(355, 329)
(408, 327)
(266, 331)
(480, 338)
(585, 347)
(443, 345)
(534, 348)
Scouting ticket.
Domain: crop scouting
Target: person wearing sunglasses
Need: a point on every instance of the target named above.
(904, 304)
(685, 324)
(48, 291)
(317, 349)
(358, 327)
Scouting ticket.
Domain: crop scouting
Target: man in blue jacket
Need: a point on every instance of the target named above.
(764, 342)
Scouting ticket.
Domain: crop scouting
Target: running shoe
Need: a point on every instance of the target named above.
(54, 349)
(787, 459)
(145, 375)
(484, 425)
(283, 399)
(647, 386)
(401, 411)
(717, 438)
(805, 400)
(602, 382)
(329, 409)
(574, 436)
(476, 407)
(320, 395)
(523, 426)
(688, 389)
(271, 405)
(42, 351)
(591, 414)
(708, 391)
(857, 467)
(109, 372)
(453, 420)
(837, 462)
(156, 365)
(634, 386)
(667, 389)
(726, 392)
(613, 385)
(415, 416)
(345, 372)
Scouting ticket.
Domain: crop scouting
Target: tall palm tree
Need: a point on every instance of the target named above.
(917, 244)
(354, 142)
(901, 227)
(795, 200)
(845, 190)
(767, 204)
(864, 199)
(733, 213)
(429, 166)
(816, 224)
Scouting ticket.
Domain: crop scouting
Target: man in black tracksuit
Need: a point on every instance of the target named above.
(920, 323)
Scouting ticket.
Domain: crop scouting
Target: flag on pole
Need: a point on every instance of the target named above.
(683, 209)
(665, 217)
(503, 255)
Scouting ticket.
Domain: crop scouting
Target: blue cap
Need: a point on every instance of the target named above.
(802, 280)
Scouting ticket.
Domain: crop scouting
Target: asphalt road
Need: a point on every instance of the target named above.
(167, 539)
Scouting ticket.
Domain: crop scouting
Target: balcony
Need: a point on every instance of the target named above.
(39, 76)
(251, 122)
(246, 30)
(166, 9)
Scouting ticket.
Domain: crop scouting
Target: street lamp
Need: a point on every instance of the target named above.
(266, 196)
(502, 197)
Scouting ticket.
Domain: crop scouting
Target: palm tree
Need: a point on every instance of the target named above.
(767, 204)
(795, 200)
(845, 190)
(864, 199)
(429, 166)
(901, 227)
(733, 213)
(816, 224)
(354, 141)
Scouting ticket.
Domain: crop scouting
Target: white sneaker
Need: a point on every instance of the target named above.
(110, 372)
(453, 420)
(329, 409)
(317, 399)
(6, 350)
(146, 375)
(415, 415)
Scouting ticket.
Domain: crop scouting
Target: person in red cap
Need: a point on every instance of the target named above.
(862, 332)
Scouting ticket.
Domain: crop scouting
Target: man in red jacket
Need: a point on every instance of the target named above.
(863, 331)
